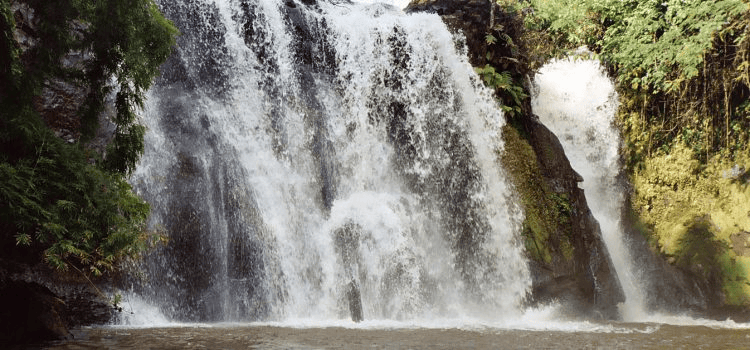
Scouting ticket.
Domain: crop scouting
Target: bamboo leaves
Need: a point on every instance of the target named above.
(57, 202)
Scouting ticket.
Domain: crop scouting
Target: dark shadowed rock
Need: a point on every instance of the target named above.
(30, 312)
(347, 249)
(60, 101)
(673, 288)
(474, 20)
(38, 304)
(471, 17)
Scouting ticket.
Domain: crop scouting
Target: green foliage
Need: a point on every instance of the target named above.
(678, 63)
(116, 300)
(653, 44)
(501, 60)
(658, 44)
(56, 202)
(511, 6)
(130, 39)
(505, 86)
(570, 22)
(490, 39)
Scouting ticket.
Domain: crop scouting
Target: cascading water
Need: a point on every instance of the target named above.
(305, 157)
(576, 100)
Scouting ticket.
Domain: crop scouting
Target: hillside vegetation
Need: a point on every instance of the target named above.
(682, 69)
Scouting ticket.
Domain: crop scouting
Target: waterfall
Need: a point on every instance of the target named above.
(577, 101)
(308, 159)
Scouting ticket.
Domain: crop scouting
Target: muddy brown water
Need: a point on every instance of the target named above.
(618, 336)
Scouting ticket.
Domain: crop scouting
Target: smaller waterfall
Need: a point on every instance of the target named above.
(577, 101)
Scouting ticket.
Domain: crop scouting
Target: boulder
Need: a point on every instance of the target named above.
(29, 313)
(584, 276)
(39, 304)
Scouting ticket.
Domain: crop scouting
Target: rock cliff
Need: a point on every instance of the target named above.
(37, 303)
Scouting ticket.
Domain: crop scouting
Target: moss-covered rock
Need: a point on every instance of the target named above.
(697, 215)
(546, 226)
(569, 259)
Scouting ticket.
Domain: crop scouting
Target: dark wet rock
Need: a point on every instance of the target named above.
(38, 304)
(202, 33)
(473, 20)
(347, 246)
(355, 301)
(347, 249)
(470, 17)
(60, 101)
(30, 312)
(41, 304)
(58, 104)
(587, 282)
(190, 274)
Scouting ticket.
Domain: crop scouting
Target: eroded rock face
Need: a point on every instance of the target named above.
(60, 101)
(588, 282)
(584, 280)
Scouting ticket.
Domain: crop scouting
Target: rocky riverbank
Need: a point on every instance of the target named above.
(38, 304)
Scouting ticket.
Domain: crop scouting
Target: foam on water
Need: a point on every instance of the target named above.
(138, 313)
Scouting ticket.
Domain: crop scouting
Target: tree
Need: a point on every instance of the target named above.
(61, 201)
